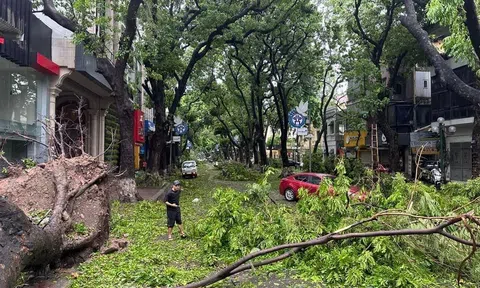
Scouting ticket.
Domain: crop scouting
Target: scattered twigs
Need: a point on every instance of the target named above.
(80, 107)
(29, 138)
(114, 134)
(5, 159)
(2, 143)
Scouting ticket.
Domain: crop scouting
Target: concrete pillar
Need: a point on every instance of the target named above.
(93, 133)
(53, 93)
(101, 136)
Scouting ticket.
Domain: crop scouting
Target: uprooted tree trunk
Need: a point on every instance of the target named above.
(67, 189)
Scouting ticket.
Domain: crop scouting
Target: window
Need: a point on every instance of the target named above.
(189, 165)
(425, 84)
(341, 128)
(302, 178)
(315, 180)
(331, 128)
(18, 97)
(15, 150)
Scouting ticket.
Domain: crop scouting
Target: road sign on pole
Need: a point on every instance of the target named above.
(302, 131)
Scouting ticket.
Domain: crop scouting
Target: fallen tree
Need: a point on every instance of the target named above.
(55, 213)
(71, 193)
(246, 262)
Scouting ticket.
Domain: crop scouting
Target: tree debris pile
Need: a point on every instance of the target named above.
(55, 213)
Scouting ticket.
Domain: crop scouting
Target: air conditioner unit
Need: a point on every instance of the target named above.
(423, 84)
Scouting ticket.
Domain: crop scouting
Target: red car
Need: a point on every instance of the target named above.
(290, 185)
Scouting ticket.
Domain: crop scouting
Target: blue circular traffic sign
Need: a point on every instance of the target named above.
(296, 120)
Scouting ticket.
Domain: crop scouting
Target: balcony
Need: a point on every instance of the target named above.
(449, 105)
(14, 17)
(14, 30)
(86, 64)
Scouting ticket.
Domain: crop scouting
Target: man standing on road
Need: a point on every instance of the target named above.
(172, 200)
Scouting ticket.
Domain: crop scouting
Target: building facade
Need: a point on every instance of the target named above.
(26, 71)
(335, 132)
(408, 109)
(458, 113)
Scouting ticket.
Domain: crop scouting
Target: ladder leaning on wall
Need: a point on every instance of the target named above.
(374, 145)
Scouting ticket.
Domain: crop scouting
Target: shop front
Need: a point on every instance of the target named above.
(23, 97)
(25, 68)
(355, 143)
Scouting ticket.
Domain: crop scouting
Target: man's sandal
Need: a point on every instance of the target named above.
(183, 236)
(170, 238)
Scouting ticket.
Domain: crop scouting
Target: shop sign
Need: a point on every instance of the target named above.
(425, 139)
(138, 127)
(354, 138)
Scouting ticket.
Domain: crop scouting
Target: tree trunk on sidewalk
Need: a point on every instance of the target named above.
(271, 143)
(325, 139)
(262, 147)
(283, 147)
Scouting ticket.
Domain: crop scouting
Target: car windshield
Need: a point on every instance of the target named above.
(188, 164)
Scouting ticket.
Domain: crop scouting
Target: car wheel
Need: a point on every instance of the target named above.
(289, 194)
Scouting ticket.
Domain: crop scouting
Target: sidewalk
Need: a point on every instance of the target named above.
(151, 194)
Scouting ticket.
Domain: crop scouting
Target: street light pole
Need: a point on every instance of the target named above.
(442, 131)
(442, 152)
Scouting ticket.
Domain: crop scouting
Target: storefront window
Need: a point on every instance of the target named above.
(18, 98)
(15, 150)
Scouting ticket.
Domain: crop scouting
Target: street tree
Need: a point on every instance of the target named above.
(290, 51)
(178, 35)
(376, 30)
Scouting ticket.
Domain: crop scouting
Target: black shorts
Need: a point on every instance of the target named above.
(173, 216)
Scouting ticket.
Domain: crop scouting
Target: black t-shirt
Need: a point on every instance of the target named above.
(173, 198)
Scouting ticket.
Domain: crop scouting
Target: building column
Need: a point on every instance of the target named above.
(93, 133)
(101, 140)
(53, 93)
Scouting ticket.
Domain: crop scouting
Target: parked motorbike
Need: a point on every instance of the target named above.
(431, 173)
(436, 176)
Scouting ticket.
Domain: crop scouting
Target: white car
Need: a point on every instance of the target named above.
(189, 168)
